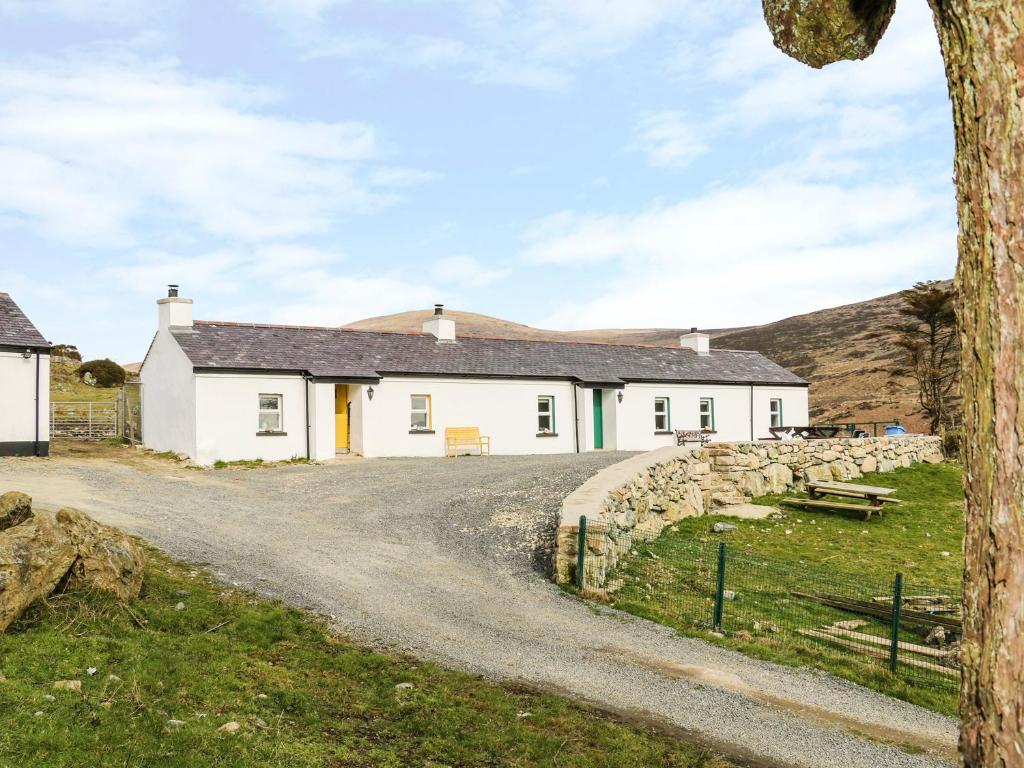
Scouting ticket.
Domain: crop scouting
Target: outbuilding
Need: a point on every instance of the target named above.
(239, 391)
(24, 384)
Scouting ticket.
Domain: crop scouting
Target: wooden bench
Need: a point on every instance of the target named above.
(866, 510)
(465, 437)
(876, 495)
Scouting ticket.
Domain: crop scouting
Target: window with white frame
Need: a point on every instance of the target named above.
(662, 415)
(775, 411)
(420, 418)
(270, 413)
(707, 413)
(546, 414)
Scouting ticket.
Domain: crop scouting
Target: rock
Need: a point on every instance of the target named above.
(15, 508)
(179, 607)
(230, 727)
(778, 478)
(68, 685)
(37, 554)
(91, 671)
(404, 687)
(175, 724)
(50, 697)
(945, 554)
(870, 464)
(723, 527)
(747, 511)
(107, 558)
(936, 637)
(114, 678)
(818, 473)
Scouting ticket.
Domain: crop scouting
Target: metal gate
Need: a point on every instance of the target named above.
(99, 420)
(84, 420)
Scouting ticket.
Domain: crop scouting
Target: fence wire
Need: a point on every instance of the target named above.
(782, 610)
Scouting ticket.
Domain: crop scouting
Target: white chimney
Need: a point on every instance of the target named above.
(698, 342)
(440, 327)
(175, 312)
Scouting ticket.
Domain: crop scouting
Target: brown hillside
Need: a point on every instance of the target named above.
(847, 352)
(473, 324)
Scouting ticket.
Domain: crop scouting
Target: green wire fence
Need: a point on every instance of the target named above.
(792, 612)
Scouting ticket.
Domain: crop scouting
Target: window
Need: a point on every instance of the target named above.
(662, 419)
(707, 413)
(775, 410)
(420, 418)
(270, 413)
(546, 414)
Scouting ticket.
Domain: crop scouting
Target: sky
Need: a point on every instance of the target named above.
(562, 163)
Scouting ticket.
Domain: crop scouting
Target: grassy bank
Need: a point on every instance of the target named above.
(770, 562)
(188, 657)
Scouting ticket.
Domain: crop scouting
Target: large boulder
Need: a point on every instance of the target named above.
(15, 508)
(779, 478)
(46, 549)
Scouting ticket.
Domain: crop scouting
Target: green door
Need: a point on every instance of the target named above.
(598, 421)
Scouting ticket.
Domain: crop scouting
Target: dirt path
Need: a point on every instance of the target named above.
(445, 559)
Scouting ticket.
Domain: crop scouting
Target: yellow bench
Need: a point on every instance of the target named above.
(456, 437)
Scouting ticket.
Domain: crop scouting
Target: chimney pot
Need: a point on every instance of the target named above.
(439, 309)
(693, 329)
(172, 291)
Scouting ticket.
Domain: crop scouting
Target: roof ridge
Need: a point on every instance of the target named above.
(343, 329)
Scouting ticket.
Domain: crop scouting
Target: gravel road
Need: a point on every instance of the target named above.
(448, 559)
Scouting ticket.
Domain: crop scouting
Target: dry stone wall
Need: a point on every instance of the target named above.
(638, 497)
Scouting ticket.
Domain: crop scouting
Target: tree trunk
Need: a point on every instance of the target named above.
(983, 48)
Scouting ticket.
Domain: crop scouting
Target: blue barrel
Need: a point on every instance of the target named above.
(895, 429)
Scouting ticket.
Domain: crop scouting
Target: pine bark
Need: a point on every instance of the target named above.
(983, 48)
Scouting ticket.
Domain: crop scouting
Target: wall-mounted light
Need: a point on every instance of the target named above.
(27, 354)
(619, 396)
(369, 392)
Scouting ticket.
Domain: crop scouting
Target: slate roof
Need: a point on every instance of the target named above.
(15, 328)
(347, 354)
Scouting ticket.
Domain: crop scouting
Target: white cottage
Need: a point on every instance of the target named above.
(232, 391)
(24, 384)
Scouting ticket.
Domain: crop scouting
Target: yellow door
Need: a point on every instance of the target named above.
(341, 417)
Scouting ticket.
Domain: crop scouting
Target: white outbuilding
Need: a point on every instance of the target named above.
(24, 384)
(221, 391)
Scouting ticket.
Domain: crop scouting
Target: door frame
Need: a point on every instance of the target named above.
(341, 394)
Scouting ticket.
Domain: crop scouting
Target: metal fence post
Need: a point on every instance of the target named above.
(581, 554)
(897, 600)
(720, 589)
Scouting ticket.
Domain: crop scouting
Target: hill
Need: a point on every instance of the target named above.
(846, 352)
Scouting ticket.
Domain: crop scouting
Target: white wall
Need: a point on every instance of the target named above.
(18, 401)
(504, 409)
(321, 418)
(635, 417)
(168, 397)
(227, 417)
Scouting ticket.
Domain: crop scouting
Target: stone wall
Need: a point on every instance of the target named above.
(638, 497)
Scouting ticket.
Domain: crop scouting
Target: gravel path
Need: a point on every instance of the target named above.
(448, 560)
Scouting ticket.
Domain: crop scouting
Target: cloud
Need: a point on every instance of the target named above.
(535, 43)
(748, 254)
(466, 271)
(668, 140)
(91, 148)
(121, 12)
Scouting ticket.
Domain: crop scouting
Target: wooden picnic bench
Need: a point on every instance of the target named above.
(468, 437)
(818, 432)
(876, 496)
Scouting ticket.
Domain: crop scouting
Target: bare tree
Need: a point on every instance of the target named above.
(982, 43)
(929, 341)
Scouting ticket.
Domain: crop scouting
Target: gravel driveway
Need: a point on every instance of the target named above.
(448, 559)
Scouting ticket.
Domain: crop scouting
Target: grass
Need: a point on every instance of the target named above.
(671, 579)
(302, 695)
(257, 463)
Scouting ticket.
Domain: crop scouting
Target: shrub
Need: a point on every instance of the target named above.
(69, 351)
(106, 372)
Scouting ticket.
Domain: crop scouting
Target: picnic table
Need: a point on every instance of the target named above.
(819, 432)
(876, 496)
